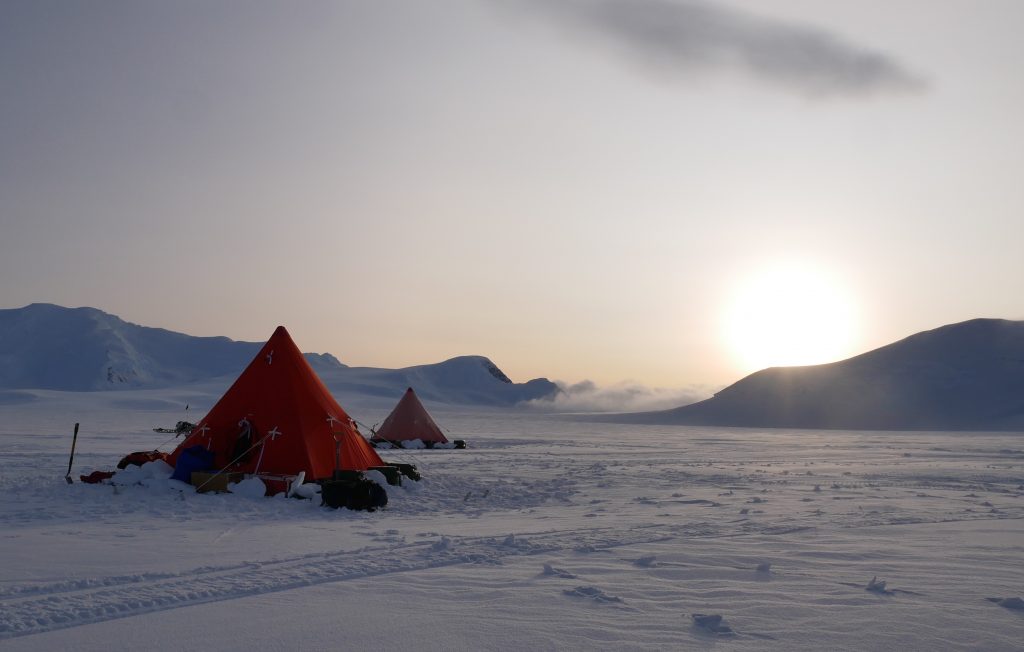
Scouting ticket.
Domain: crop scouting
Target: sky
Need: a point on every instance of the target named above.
(656, 193)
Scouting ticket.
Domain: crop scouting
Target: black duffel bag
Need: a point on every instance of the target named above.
(358, 494)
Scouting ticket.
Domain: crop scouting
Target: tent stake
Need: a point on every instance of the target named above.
(71, 460)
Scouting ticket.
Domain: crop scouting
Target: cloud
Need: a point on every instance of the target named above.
(587, 396)
(689, 37)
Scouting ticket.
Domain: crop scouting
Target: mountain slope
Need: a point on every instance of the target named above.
(43, 346)
(958, 377)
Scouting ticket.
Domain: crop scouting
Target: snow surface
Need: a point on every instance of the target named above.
(546, 534)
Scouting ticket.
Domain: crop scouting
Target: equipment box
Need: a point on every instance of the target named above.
(204, 481)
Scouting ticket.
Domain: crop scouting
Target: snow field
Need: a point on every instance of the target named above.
(545, 534)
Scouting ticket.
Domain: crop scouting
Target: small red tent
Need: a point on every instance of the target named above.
(278, 418)
(409, 420)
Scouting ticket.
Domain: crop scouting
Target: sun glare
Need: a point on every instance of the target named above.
(790, 315)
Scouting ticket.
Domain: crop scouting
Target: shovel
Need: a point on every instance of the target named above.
(74, 440)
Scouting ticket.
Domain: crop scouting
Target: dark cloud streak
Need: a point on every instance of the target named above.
(699, 37)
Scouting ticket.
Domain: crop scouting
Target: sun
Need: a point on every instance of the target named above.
(789, 314)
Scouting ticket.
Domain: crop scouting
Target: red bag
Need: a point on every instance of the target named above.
(96, 477)
(140, 458)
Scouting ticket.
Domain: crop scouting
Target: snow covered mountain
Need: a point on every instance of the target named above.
(966, 376)
(44, 346)
(465, 380)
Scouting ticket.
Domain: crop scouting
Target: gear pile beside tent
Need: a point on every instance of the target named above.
(410, 426)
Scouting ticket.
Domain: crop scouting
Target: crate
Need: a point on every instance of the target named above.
(205, 481)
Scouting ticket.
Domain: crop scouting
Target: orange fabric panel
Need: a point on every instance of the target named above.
(409, 420)
(290, 410)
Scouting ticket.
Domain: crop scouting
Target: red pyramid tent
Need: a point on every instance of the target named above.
(280, 411)
(409, 420)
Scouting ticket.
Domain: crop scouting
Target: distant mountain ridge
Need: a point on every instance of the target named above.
(45, 346)
(965, 376)
(465, 380)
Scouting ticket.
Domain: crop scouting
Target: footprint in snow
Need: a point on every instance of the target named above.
(1014, 603)
(877, 586)
(593, 593)
(444, 543)
(712, 624)
(557, 572)
(518, 543)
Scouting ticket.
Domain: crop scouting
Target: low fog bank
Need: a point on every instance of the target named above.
(588, 396)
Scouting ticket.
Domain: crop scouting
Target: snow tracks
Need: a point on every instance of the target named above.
(32, 609)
